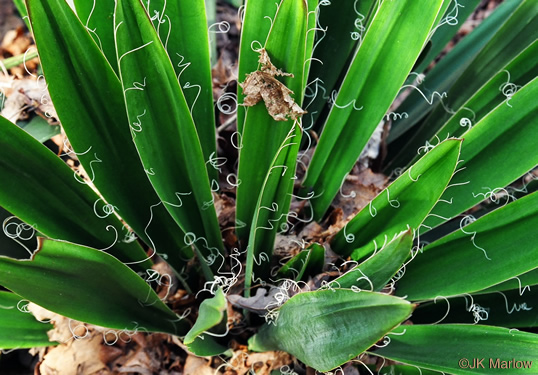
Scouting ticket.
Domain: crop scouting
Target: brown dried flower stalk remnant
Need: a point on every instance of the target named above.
(262, 84)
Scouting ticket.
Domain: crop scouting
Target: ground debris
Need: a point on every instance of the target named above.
(78, 350)
(262, 85)
(25, 96)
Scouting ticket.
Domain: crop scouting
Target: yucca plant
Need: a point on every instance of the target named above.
(412, 278)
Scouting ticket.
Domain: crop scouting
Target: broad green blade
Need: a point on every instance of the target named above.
(455, 14)
(208, 347)
(402, 205)
(397, 33)
(500, 88)
(182, 28)
(211, 313)
(258, 16)
(262, 136)
(161, 121)
(88, 285)
(89, 100)
(97, 16)
(40, 129)
(272, 207)
(511, 309)
(511, 39)
(523, 281)
(340, 29)
(494, 248)
(40, 189)
(20, 329)
(504, 140)
(312, 21)
(375, 272)
(211, 15)
(307, 263)
(449, 69)
(458, 349)
(325, 329)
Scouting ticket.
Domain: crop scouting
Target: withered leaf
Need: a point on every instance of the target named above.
(262, 85)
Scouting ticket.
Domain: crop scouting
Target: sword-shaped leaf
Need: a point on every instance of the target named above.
(457, 349)
(446, 71)
(494, 248)
(97, 16)
(19, 328)
(88, 285)
(515, 35)
(183, 30)
(403, 205)
(397, 33)
(262, 135)
(89, 100)
(504, 140)
(271, 208)
(163, 129)
(51, 199)
(375, 272)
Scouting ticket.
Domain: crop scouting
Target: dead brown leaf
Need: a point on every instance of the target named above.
(27, 95)
(262, 85)
(78, 352)
(264, 363)
(197, 366)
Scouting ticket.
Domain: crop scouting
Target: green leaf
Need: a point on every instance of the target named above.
(375, 272)
(40, 189)
(517, 308)
(449, 69)
(494, 248)
(341, 26)
(20, 329)
(402, 205)
(272, 208)
(89, 100)
(502, 140)
(88, 285)
(521, 281)
(397, 33)
(40, 129)
(447, 348)
(325, 329)
(211, 313)
(97, 16)
(258, 19)
(451, 21)
(206, 346)
(182, 28)
(262, 136)
(160, 120)
(443, 73)
(520, 71)
(306, 264)
(511, 39)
